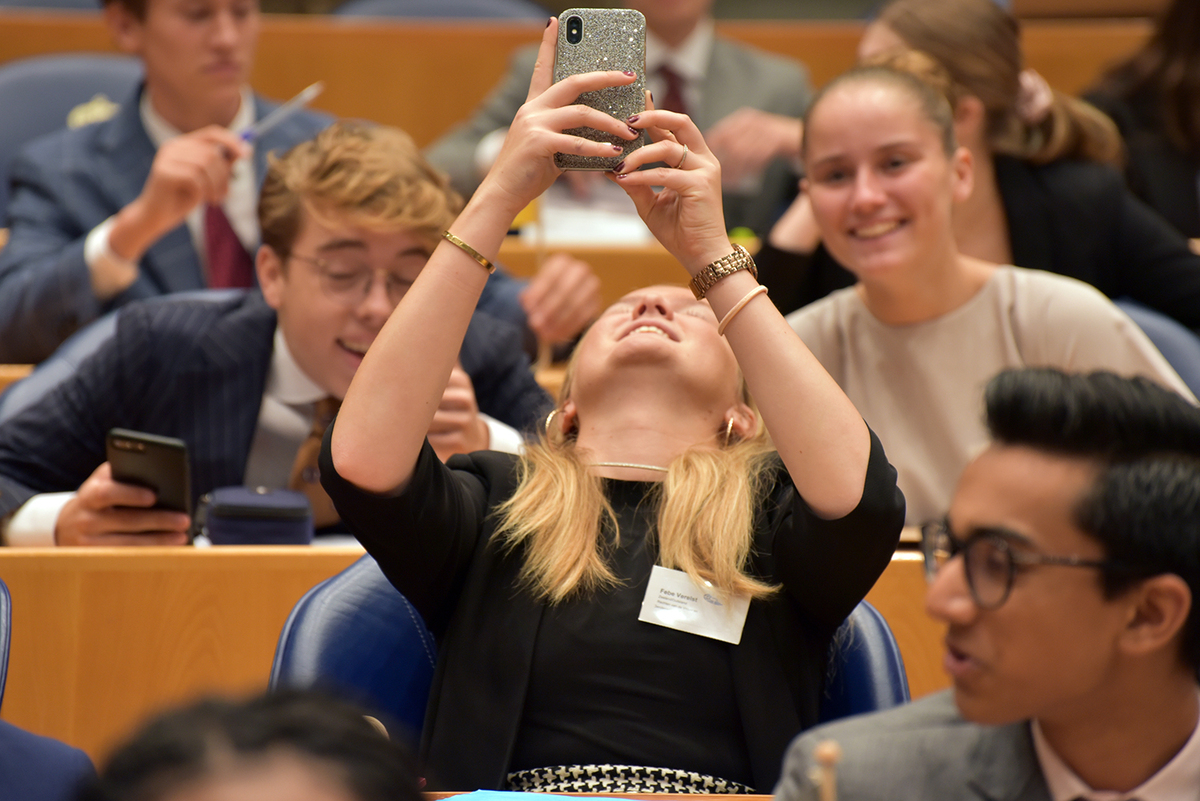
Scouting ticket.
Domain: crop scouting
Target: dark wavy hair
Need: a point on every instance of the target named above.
(211, 736)
(1144, 507)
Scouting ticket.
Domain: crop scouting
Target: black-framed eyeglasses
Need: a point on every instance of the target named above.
(990, 560)
(348, 280)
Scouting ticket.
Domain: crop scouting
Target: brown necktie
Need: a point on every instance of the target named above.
(673, 100)
(229, 265)
(305, 475)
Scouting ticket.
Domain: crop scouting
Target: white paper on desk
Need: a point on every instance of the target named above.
(673, 600)
(608, 217)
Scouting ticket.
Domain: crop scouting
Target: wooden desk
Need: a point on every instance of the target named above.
(12, 373)
(427, 76)
(103, 637)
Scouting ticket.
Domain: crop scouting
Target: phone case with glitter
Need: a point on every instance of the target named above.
(593, 39)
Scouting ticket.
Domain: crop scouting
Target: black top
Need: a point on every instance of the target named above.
(1075, 218)
(622, 691)
(1165, 177)
(434, 543)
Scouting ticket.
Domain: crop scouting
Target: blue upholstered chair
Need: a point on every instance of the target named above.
(1179, 345)
(37, 95)
(5, 634)
(445, 9)
(866, 671)
(356, 635)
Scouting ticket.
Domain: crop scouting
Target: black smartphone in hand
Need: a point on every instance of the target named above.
(598, 39)
(157, 463)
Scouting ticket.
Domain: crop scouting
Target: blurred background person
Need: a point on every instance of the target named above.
(747, 102)
(1154, 98)
(160, 197)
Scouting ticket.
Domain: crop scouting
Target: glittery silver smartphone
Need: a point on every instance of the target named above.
(594, 39)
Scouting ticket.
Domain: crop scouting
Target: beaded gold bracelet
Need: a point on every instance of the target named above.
(470, 251)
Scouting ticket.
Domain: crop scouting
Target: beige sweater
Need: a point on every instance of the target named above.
(920, 387)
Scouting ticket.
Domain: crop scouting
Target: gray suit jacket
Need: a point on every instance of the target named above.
(64, 185)
(922, 750)
(738, 77)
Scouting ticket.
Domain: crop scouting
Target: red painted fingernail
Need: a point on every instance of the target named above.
(633, 130)
(619, 148)
(633, 118)
(630, 73)
(617, 169)
(621, 175)
(549, 21)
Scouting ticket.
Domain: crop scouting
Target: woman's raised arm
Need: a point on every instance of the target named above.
(820, 435)
(396, 390)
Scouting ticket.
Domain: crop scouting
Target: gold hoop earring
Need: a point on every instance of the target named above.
(550, 419)
(729, 432)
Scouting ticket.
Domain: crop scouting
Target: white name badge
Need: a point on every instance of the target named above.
(675, 601)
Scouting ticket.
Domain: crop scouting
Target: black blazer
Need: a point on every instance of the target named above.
(1074, 218)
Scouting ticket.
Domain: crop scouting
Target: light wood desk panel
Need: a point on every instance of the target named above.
(425, 77)
(103, 637)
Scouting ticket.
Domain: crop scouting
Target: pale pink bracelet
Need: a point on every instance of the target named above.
(761, 289)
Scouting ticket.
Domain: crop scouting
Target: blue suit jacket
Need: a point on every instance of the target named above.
(196, 370)
(64, 185)
(35, 768)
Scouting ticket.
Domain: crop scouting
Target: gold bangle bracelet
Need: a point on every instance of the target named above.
(470, 251)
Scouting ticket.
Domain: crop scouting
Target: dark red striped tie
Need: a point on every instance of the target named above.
(229, 265)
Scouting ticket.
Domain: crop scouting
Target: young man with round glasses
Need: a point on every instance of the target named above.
(1066, 571)
(348, 220)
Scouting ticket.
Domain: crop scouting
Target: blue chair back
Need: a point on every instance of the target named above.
(1178, 344)
(444, 9)
(866, 671)
(83, 343)
(5, 634)
(40, 92)
(355, 635)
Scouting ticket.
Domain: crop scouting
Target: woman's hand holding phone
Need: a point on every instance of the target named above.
(525, 167)
(685, 214)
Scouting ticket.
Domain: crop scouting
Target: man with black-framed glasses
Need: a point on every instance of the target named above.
(250, 380)
(1066, 572)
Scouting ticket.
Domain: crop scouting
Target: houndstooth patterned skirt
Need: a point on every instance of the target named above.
(619, 779)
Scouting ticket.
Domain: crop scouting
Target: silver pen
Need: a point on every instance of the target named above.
(280, 114)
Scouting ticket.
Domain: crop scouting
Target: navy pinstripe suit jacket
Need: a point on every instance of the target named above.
(196, 369)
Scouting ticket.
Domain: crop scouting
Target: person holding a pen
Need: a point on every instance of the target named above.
(160, 197)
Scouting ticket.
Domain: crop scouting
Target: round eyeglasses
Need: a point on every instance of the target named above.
(990, 560)
(349, 280)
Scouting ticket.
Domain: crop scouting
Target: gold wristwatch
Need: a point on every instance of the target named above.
(739, 259)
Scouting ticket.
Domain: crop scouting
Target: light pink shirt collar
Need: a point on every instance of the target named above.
(1178, 780)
